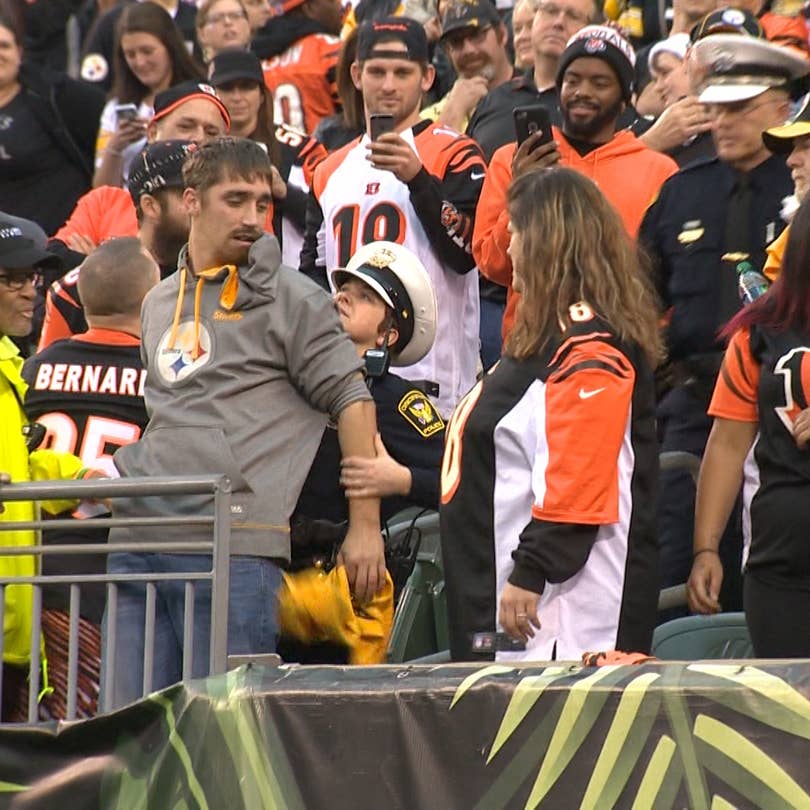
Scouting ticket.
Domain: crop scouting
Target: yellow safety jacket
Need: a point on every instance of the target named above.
(40, 465)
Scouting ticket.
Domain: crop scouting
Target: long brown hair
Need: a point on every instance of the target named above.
(149, 18)
(575, 248)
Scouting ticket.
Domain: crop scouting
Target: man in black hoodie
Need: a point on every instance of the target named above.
(299, 49)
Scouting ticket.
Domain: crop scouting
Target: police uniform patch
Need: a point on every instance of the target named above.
(420, 414)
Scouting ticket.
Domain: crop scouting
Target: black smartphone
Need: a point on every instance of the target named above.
(483, 643)
(379, 124)
(530, 119)
(126, 112)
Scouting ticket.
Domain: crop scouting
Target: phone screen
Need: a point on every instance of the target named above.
(126, 112)
(532, 119)
(380, 123)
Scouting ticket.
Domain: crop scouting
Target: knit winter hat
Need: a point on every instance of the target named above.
(601, 42)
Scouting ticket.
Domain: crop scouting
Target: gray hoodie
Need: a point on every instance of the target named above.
(242, 387)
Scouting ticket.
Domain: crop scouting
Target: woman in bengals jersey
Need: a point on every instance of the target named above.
(550, 464)
(237, 77)
(760, 440)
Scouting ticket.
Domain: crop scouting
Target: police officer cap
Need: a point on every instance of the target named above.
(737, 68)
(400, 279)
(782, 139)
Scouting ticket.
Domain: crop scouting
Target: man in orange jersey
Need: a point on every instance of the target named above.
(594, 81)
(299, 57)
(416, 184)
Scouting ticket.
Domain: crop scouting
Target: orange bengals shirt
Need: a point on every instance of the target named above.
(302, 81)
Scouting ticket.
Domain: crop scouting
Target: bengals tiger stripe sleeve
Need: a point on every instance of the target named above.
(445, 194)
(576, 473)
(735, 393)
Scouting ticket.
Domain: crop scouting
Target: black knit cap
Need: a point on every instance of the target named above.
(158, 166)
(601, 42)
(374, 34)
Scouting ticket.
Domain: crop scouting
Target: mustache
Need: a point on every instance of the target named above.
(249, 235)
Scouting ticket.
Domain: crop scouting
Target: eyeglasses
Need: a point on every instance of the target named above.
(455, 42)
(551, 11)
(225, 16)
(15, 280)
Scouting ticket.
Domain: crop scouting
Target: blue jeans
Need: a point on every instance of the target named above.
(252, 627)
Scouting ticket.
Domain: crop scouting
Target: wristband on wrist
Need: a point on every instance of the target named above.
(705, 551)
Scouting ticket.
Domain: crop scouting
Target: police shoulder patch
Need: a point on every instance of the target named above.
(420, 414)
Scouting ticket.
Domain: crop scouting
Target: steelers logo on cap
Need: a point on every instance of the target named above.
(94, 68)
(595, 45)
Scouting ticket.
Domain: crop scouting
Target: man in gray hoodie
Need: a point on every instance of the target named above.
(246, 361)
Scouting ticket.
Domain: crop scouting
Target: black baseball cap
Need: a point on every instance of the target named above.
(158, 166)
(29, 228)
(233, 64)
(727, 21)
(19, 252)
(460, 14)
(375, 33)
(169, 100)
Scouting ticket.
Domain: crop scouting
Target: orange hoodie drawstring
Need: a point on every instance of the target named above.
(227, 300)
(178, 308)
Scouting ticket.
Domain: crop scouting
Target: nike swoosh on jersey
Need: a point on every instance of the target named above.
(476, 175)
(583, 394)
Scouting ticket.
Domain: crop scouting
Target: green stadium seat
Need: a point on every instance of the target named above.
(695, 638)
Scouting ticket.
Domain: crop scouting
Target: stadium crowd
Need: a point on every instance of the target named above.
(460, 255)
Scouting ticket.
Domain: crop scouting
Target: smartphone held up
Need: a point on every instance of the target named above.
(531, 119)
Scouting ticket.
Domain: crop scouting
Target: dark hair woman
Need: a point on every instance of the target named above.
(48, 125)
(550, 463)
(237, 77)
(760, 440)
(150, 56)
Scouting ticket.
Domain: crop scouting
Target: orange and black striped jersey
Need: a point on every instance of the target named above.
(302, 81)
(299, 155)
(88, 393)
(549, 482)
(353, 203)
(765, 379)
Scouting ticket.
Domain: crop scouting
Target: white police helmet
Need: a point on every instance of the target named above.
(400, 279)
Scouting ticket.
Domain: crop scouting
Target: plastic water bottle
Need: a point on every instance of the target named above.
(750, 283)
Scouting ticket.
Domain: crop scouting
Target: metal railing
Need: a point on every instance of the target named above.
(218, 547)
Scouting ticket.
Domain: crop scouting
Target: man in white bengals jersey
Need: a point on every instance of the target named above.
(417, 184)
